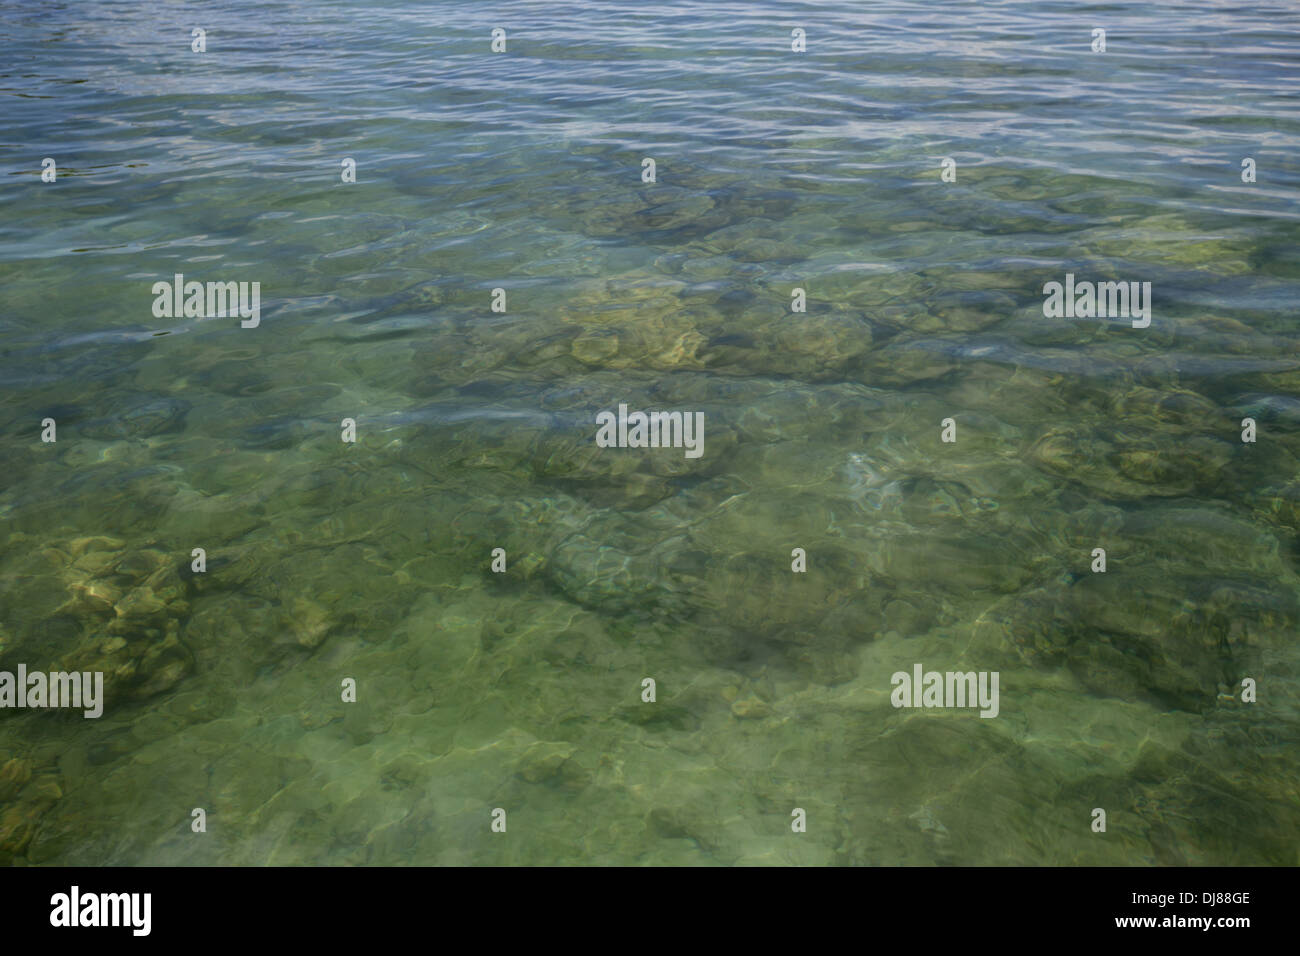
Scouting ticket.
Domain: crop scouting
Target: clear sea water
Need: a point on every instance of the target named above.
(775, 170)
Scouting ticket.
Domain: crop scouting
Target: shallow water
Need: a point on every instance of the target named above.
(522, 690)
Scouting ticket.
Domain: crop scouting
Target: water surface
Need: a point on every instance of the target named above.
(775, 170)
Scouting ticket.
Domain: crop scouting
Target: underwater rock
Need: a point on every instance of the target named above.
(551, 762)
(1279, 505)
(1121, 463)
(1144, 633)
(1163, 408)
(751, 708)
(596, 574)
(14, 774)
(310, 622)
(154, 416)
(678, 213)
(596, 346)
(120, 614)
(753, 240)
(810, 347)
(633, 324)
(162, 666)
(685, 823)
(903, 363)
(20, 820)
(956, 311)
(968, 564)
(736, 599)
(642, 210)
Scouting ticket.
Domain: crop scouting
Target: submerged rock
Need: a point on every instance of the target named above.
(1126, 463)
(1145, 634)
(155, 416)
(121, 614)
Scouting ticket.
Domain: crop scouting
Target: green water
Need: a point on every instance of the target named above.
(475, 430)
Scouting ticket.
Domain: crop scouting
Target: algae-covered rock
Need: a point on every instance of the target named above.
(1126, 463)
(14, 774)
(120, 614)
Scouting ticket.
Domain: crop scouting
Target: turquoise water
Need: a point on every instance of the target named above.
(775, 170)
